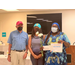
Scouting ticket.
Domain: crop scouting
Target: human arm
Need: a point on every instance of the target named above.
(29, 46)
(65, 41)
(26, 51)
(9, 47)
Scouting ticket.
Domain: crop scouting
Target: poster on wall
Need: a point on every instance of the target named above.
(3, 34)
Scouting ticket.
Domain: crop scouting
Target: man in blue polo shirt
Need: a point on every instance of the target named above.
(18, 45)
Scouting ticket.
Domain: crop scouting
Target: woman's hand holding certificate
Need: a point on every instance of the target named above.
(55, 47)
(47, 47)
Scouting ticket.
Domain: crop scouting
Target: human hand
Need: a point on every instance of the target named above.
(41, 48)
(35, 56)
(60, 41)
(25, 55)
(9, 58)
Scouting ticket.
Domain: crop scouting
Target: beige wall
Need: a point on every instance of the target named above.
(8, 22)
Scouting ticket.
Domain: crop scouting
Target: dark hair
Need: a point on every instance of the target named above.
(48, 36)
(33, 32)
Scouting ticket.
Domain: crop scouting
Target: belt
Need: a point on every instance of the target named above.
(19, 50)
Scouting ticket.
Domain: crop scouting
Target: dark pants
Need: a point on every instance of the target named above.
(39, 61)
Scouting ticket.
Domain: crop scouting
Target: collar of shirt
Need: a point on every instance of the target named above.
(19, 32)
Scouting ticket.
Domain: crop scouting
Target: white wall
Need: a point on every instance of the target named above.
(8, 22)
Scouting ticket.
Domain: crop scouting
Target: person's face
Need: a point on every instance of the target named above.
(36, 29)
(19, 27)
(54, 25)
(54, 28)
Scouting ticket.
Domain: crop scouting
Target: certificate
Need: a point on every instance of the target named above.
(57, 47)
(46, 48)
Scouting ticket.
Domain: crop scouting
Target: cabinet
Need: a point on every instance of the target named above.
(70, 55)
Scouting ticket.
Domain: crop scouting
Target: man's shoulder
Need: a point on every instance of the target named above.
(25, 33)
(13, 31)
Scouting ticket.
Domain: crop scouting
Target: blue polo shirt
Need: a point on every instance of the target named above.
(18, 40)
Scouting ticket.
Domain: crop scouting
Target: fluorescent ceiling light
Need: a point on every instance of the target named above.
(31, 16)
(40, 19)
(10, 9)
(29, 23)
(49, 21)
(45, 20)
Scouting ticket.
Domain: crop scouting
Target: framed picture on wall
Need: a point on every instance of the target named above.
(45, 20)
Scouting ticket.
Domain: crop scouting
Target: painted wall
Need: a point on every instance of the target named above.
(8, 22)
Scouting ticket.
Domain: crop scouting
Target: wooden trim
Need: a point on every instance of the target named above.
(71, 50)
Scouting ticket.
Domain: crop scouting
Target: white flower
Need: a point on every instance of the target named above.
(40, 35)
(37, 33)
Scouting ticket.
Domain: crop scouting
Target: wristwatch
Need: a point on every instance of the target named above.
(8, 54)
(26, 52)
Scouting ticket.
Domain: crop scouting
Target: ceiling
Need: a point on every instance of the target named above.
(31, 10)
